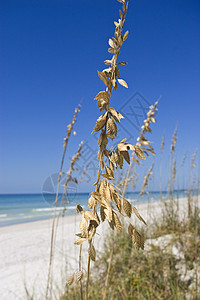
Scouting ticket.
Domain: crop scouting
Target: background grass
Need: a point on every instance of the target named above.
(168, 268)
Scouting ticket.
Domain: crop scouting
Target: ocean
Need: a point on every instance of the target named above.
(22, 208)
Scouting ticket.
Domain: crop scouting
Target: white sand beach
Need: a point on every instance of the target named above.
(24, 254)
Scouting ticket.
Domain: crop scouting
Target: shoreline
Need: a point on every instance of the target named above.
(20, 209)
(26, 220)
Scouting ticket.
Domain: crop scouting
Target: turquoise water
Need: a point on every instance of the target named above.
(21, 208)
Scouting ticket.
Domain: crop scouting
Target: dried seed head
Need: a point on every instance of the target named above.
(92, 252)
(102, 213)
(174, 141)
(127, 207)
(137, 239)
(117, 222)
(80, 241)
(138, 215)
(70, 280)
(162, 144)
(79, 276)
(145, 182)
(83, 226)
(79, 208)
(111, 127)
(91, 202)
(139, 153)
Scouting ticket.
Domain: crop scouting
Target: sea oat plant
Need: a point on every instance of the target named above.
(53, 233)
(107, 202)
(69, 177)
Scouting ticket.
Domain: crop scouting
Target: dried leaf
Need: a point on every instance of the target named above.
(112, 224)
(151, 151)
(109, 172)
(108, 212)
(79, 276)
(107, 71)
(139, 153)
(107, 62)
(117, 222)
(120, 39)
(106, 152)
(90, 216)
(102, 188)
(91, 202)
(111, 127)
(92, 252)
(125, 35)
(92, 232)
(138, 215)
(79, 234)
(117, 72)
(120, 159)
(107, 176)
(125, 147)
(114, 158)
(127, 207)
(130, 229)
(102, 140)
(116, 24)
(99, 125)
(122, 63)
(116, 199)
(108, 193)
(116, 115)
(111, 43)
(121, 14)
(102, 117)
(103, 77)
(83, 225)
(79, 208)
(111, 50)
(102, 213)
(137, 239)
(102, 95)
(101, 104)
(80, 241)
(70, 280)
(123, 83)
(111, 166)
(126, 156)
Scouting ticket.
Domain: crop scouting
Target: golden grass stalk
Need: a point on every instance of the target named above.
(191, 183)
(174, 141)
(172, 165)
(66, 139)
(106, 197)
(69, 177)
(145, 182)
(184, 159)
(162, 144)
(84, 172)
(161, 151)
(142, 146)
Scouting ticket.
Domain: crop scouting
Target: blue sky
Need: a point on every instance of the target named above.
(49, 55)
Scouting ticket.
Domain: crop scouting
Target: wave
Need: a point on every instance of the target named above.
(3, 216)
(51, 209)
